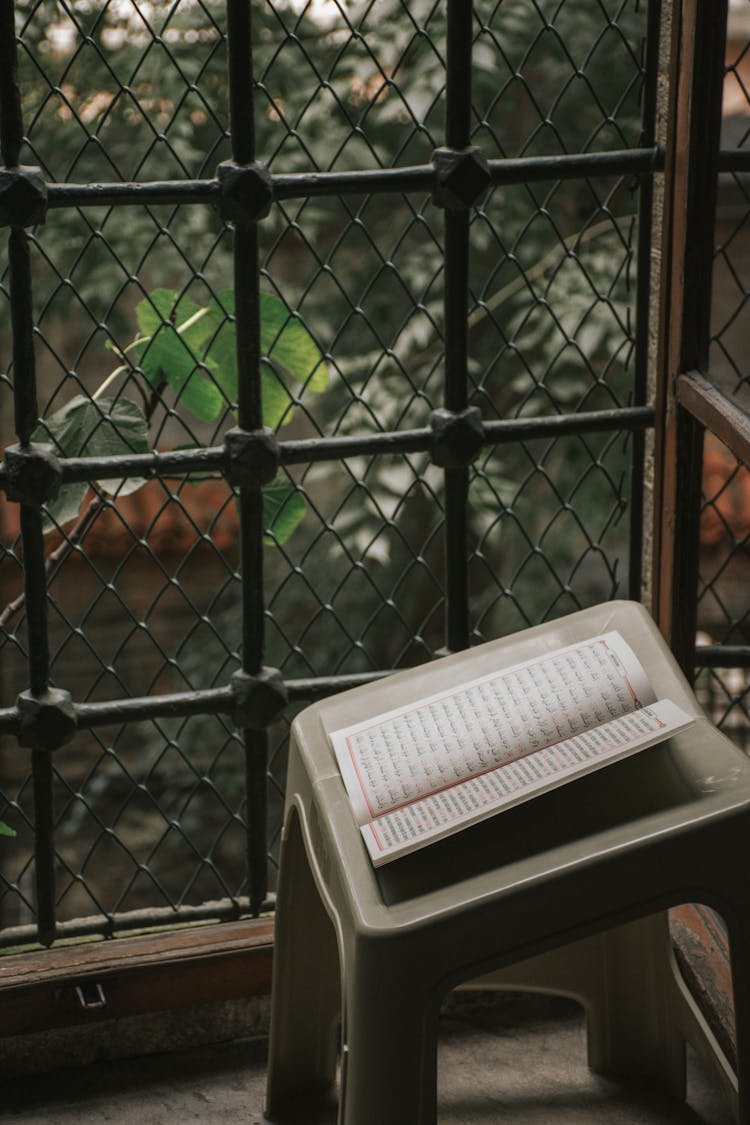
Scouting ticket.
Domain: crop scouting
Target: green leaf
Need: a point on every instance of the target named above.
(173, 350)
(221, 356)
(177, 336)
(95, 428)
(64, 508)
(198, 394)
(6, 830)
(283, 511)
(285, 340)
(278, 404)
(85, 428)
(161, 306)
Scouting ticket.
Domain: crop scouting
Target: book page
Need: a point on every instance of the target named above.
(438, 741)
(432, 818)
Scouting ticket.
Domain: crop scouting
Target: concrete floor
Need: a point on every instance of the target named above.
(516, 1060)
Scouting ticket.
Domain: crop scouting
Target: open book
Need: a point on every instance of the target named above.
(426, 770)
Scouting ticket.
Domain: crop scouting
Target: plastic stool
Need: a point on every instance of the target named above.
(364, 957)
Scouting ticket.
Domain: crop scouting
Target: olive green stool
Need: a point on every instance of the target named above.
(565, 893)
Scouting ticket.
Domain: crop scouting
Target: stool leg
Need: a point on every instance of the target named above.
(623, 978)
(389, 1062)
(632, 1029)
(305, 1005)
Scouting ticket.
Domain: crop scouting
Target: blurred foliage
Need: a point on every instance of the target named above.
(120, 91)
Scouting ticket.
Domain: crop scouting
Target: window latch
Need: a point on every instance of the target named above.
(91, 997)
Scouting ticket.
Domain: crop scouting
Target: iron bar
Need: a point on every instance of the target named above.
(256, 815)
(141, 708)
(692, 352)
(251, 555)
(456, 309)
(694, 129)
(419, 177)
(36, 602)
(703, 154)
(44, 845)
(643, 302)
(247, 316)
(26, 409)
(91, 716)
(313, 450)
(308, 185)
(250, 417)
(210, 701)
(689, 467)
(26, 412)
(455, 302)
(715, 412)
(11, 121)
(133, 194)
(320, 687)
(722, 656)
(734, 160)
(460, 16)
(178, 462)
(573, 166)
(366, 181)
(457, 623)
(556, 425)
(455, 531)
(240, 67)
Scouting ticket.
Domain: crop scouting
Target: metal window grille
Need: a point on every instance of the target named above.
(465, 473)
(723, 654)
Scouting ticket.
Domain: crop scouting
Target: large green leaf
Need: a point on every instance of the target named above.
(173, 336)
(221, 354)
(283, 511)
(85, 428)
(277, 402)
(5, 829)
(64, 508)
(286, 341)
(221, 357)
(95, 428)
(177, 335)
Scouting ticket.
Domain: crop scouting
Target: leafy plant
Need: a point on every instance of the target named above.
(5, 829)
(191, 351)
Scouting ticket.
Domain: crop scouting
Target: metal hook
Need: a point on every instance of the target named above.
(90, 1004)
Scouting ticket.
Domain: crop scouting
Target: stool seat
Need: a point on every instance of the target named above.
(364, 956)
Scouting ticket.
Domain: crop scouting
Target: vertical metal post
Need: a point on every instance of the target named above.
(699, 37)
(457, 135)
(250, 417)
(643, 301)
(704, 141)
(11, 122)
(688, 473)
(26, 413)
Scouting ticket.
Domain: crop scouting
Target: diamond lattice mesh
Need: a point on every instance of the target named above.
(725, 527)
(144, 596)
